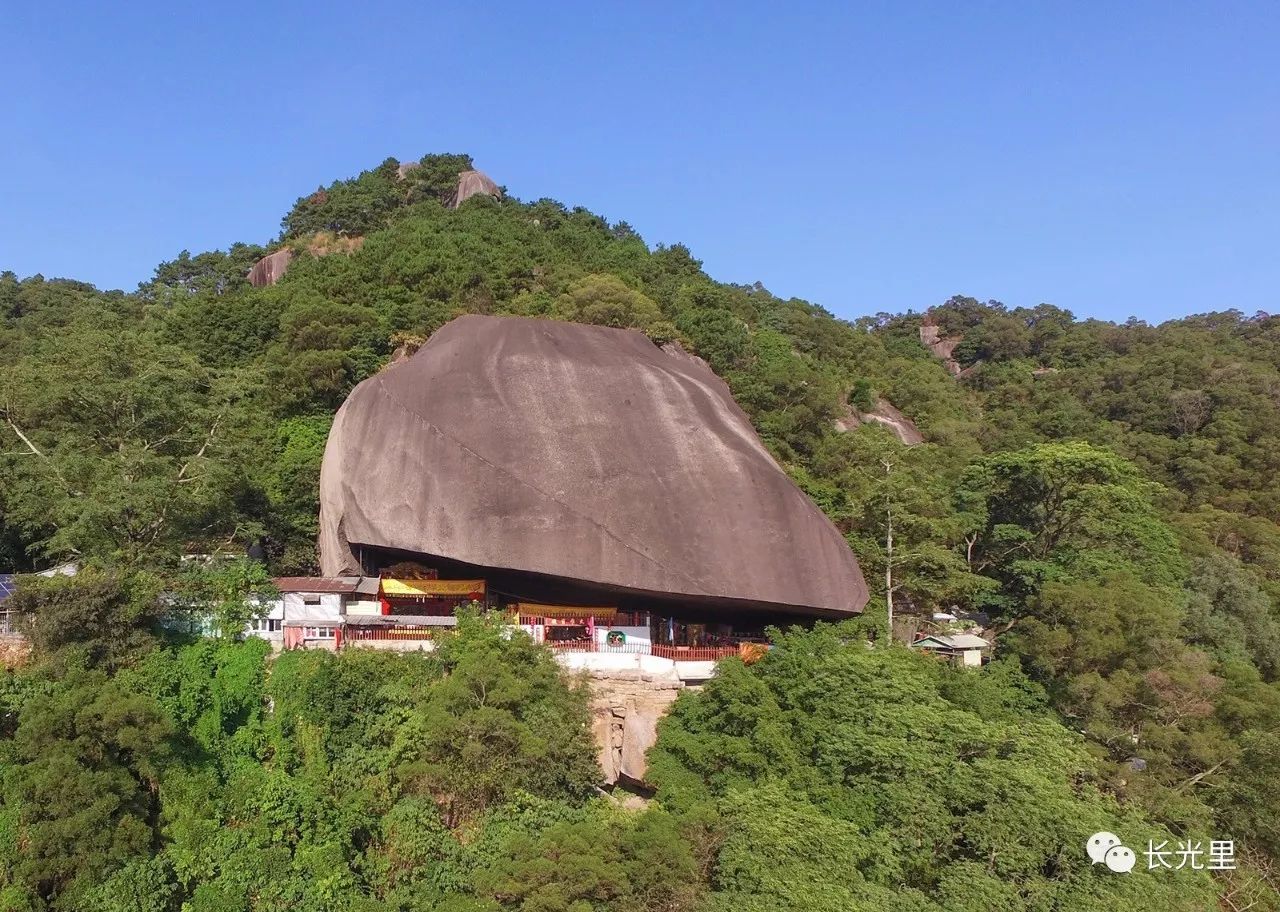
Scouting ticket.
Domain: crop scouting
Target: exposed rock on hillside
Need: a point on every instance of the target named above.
(886, 414)
(941, 346)
(579, 452)
(271, 268)
(676, 350)
(625, 717)
(471, 183)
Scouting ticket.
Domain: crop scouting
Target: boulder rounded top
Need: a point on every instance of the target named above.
(579, 452)
(473, 183)
(271, 268)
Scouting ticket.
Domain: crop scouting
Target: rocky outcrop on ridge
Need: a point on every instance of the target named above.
(942, 346)
(473, 183)
(883, 414)
(271, 268)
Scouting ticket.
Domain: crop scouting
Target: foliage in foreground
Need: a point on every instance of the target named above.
(856, 779)
(205, 776)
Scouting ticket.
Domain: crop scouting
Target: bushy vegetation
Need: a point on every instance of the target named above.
(1106, 493)
(844, 778)
(203, 776)
(200, 774)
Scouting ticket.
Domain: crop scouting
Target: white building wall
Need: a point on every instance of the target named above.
(364, 607)
(327, 612)
(636, 636)
(271, 615)
(695, 671)
(650, 667)
(392, 645)
(301, 618)
(618, 662)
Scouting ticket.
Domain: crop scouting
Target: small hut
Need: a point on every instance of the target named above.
(963, 649)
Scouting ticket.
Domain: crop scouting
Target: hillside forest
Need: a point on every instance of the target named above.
(1105, 494)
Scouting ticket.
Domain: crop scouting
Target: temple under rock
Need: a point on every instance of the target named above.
(580, 475)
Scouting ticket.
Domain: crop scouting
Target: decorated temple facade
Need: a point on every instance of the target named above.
(576, 614)
(418, 605)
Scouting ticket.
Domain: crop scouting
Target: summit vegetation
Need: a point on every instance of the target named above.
(1107, 495)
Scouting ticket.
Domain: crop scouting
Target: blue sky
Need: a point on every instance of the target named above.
(876, 156)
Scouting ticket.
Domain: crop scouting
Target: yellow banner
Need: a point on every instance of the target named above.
(432, 587)
(530, 609)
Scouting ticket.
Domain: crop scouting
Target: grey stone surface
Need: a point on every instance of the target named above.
(941, 346)
(639, 733)
(581, 452)
(885, 413)
(607, 751)
(625, 717)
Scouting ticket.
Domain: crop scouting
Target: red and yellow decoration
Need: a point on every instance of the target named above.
(564, 612)
(433, 588)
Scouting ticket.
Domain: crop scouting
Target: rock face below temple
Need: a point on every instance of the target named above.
(580, 452)
(624, 721)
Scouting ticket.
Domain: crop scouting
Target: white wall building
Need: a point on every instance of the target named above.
(963, 649)
(313, 609)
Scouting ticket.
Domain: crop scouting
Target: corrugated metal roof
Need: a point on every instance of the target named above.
(968, 641)
(317, 583)
(400, 620)
(955, 641)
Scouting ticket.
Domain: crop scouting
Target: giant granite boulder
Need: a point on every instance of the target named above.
(580, 452)
(271, 268)
(473, 183)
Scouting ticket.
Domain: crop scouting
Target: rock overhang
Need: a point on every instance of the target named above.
(580, 453)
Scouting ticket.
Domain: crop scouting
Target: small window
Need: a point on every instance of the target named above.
(310, 599)
(317, 633)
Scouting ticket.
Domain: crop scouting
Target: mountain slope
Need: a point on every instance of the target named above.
(1106, 493)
